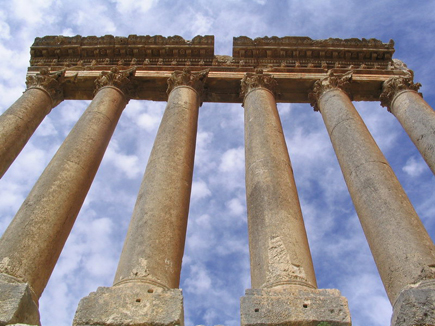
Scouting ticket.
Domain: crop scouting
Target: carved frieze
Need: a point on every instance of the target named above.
(313, 53)
(51, 82)
(116, 78)
(394, 85)
(255, 80)
(330, 82)
(108, 49)
(186, 77)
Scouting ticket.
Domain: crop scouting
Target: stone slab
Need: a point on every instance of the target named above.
(16, 303)
(415, 307)
(130, 305)
(264, 307)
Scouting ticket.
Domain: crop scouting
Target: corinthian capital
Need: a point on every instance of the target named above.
(328, 83)
(51, 83)
(116, 78)
(186, 77)
(255, 80)
(392, 86)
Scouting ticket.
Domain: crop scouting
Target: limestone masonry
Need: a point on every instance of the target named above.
(328, 74)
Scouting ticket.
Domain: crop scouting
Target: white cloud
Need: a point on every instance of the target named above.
(199, 190)
(414, 167)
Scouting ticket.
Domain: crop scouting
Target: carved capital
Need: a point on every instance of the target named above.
(186, 77)
(393, 86)
(255, 80)
(51, 83)
(328, 83)
(116, 78)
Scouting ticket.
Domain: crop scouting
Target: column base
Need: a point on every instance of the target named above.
(415, 306)
(304, 307)
(131, 304)
(16, 302)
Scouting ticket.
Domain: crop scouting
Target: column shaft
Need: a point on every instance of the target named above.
(401, 247)
(153, 249)
(33, 241)
(19, 122)
(279, 249)
(418, 120)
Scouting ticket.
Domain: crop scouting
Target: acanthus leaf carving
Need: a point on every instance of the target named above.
(328, 83)
(256, 80)
(392, 86)
(186, 77)
(50, 82)
(116, 78)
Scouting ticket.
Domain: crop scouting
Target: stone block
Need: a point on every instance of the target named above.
(307, 307)
(131, 304)
(16, 303)
(415, 306)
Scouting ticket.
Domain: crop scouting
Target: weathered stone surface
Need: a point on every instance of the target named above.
(278, 244)
(415, 306)
(414, 114)
(130, 305)
(162, 206)
(16, 303)
(294, 307)
(403, 251)
(32, 243)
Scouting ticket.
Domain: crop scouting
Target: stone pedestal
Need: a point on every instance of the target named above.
(415, 306)
(18, 302)
(19, 122)
(414, 114)
(298, 307)
(131, 304)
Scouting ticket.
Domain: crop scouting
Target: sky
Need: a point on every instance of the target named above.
(215, 269)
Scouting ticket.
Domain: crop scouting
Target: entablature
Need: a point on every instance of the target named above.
(295, 62)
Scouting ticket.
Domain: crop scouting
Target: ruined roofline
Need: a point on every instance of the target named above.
(288, 51)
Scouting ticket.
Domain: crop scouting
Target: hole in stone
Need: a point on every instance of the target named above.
(257, 310)
(425, 314)
(305, 305)
(150, 291)
(331, 311)
(137, 300)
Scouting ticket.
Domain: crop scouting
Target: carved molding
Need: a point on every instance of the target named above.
(49, 82)
(393, 86)
(116, 78)
(186, 77)
(255, 80)
(328, 83)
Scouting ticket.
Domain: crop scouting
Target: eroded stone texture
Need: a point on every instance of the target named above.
(130, 305)
(304, 307)
(17, 302)
(32, 243)
(400, 95)
(19, 122)
(403, 251)
(415, 306)
(154, 246)
(278, 243)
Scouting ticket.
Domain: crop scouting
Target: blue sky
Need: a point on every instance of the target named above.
(216, 262)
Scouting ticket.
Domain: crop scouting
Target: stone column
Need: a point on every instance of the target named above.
(33, 241)
(19, 122)
(282, 273)
(145, 288)
(403, 251)
(400, 95)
